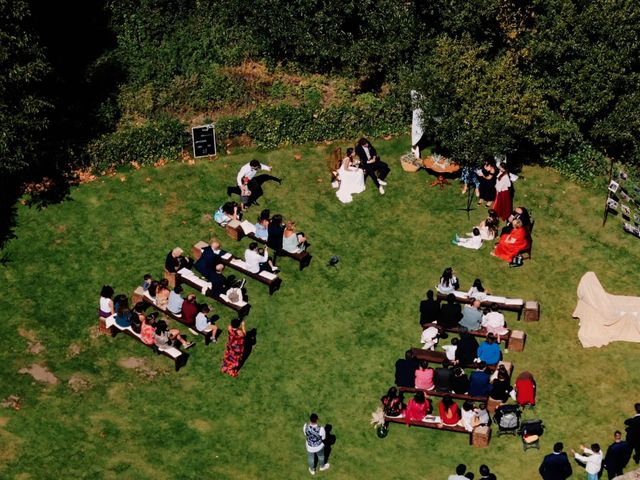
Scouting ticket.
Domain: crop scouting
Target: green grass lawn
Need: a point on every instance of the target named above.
(326, 342)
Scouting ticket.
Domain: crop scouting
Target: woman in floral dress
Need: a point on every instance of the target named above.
(235, 348)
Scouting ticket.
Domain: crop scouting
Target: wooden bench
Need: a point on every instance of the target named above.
(479, 437)
(237, 230)
(178, 356)
(188, 277)
(439, 357)
(514, 339)
(435, 393)
(268, 278)
(139, 295)
(509, 304)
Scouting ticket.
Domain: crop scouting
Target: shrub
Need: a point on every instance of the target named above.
(144, 144)
(584, 165)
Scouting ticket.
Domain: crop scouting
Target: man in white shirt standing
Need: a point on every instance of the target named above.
(315, 435)
(250, 171)
(592, 461)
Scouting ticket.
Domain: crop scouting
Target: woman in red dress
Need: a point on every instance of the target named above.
(512, 243)
(417, 408)
(449, 411)
(235, 348)
(502, 205)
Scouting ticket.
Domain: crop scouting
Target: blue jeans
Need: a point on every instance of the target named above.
(592, 476)
(311, 459)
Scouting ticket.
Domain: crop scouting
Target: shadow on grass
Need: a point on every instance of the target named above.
(329, 441)
(250, 340)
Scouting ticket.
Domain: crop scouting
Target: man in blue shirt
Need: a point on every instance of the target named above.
(489, 350)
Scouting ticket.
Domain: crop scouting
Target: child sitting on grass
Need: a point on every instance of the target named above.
(474, 242)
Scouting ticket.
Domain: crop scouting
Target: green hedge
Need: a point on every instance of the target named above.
(274, 125)
(144, 144)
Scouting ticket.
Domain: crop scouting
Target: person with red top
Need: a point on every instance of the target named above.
(417, 408)
(512, 243)
(424, 376)
(449, 411)
(189, 310)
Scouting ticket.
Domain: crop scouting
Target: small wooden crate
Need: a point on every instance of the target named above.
(516, 340)
(481, 437)
(531, 311)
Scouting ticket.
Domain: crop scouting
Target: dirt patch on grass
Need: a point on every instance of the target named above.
(36, 348)
(73, 350)
(206, 218)
(139, 365)
(78, 384)
(40, 374)
(30, 335)
(200, 425)
(12, 401)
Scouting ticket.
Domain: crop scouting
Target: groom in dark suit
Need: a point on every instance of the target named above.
(371, 164)
(556, 465)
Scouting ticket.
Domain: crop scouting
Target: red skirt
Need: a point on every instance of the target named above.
(502, 206)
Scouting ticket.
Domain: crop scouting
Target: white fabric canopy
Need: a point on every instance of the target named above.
(605, 318)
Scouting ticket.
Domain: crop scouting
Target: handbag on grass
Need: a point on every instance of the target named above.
(517, 261)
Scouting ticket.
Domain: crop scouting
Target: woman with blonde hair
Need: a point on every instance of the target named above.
(176, 261)
(292, 241)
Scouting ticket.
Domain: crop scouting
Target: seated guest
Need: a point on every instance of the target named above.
(275, 232)
(512, 243)
(162, 293)
(292, 241)
(226, 213)
(176, 261)
(417, 408)
(449, 411)
(489, 226)
(209, 259)
(204, 324)
(469, 417)
(262, 225)
(474, 242)
(424, 376)
(483, 415)
(392, 403)
(450, 313)
(429, 337)
(406, 370)
(258, 260)
(174, 305)
(147, 327)
(450, 350)
(442, 377)
(165, 337)
(189, 309)
(471, 316)
(106, 302)
(448, 282)
(494, 322)
(146, 282)
(477, 291)
(479, 385)
(460, 381)
(123, 314)
(489, 351)
(501, 388)
(519, 213)
(221, 284)
(429, 309)
(467, 350)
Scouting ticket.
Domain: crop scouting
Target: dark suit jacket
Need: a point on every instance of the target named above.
(274, 240)
(633, 430)
(555, 466)
(362, 155)
(442, 379)
(207, 262)
(218, 283)
(467, 349)
(406, 372)
(450, 315)
(617, 457)
(429, 311)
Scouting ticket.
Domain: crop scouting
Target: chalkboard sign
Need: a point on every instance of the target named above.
(204, 140)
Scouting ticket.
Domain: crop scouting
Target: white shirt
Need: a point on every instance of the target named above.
(367, 153)
(457, 477)
(253, 260)
(429, 337)
(247, 171)
(450, 352)
(442, 288)
(474, 242)
(201, 322)
(467, 419)
(474, 293)
(503, 184)
(592, 462)
(493, 320)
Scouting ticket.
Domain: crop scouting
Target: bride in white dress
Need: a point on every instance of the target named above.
(351, 178)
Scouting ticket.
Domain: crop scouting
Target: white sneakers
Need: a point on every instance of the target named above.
(312, 471)
(382, 182)
(381, 190)
(326, 467)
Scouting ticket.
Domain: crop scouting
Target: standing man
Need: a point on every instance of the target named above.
(460, 471)
(617, 457)
(556, 465)
(250, 170)
(315, 436)
(371, 164)
(633, 433)
(592, 460)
